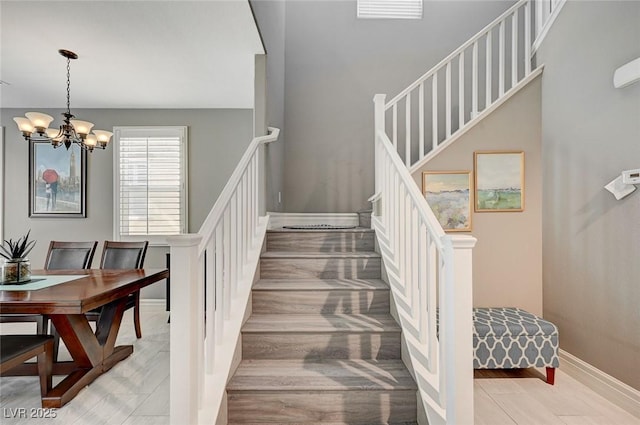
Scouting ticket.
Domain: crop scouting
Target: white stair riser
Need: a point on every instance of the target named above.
(317, 346)
(320, 302)
(320, 241)
(324, 268)
(357, 407)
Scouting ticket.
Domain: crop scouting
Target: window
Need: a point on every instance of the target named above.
(390, 9)
(150, 190)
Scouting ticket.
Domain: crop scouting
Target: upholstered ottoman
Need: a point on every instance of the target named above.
(509, 338)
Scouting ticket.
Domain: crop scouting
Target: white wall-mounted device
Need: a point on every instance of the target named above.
(627, 74)
(631, 176)
(623, 185)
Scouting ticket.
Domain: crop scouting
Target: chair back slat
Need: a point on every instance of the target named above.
(70, 255)
(123, 255)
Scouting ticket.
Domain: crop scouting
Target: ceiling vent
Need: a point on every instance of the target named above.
(390, 9)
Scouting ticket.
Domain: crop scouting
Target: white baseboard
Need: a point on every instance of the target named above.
(278, 219)
(617, 392)
(153, 302)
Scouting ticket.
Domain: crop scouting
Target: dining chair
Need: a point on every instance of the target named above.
(16, 349)
(126, 255)
(63, 255)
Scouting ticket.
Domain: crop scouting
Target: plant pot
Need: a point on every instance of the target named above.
(16, 271)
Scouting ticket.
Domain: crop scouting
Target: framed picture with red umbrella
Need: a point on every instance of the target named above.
(57, 181)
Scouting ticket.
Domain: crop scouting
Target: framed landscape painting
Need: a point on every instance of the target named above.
(57, 180)
(448, 193)
(499, 181)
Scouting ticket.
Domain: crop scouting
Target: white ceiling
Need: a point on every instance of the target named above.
(132, 54)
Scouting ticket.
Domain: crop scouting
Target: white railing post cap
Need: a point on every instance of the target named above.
(379, 98)
(463, 241)
(186, 239)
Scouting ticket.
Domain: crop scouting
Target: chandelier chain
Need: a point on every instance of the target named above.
(68, 86)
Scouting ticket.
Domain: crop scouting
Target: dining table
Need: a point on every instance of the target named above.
(65, 296)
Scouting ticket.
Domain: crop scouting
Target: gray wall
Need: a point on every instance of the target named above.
(507, 260)
(334, 64)
(591, 131)
(217, 140)
(270, 17)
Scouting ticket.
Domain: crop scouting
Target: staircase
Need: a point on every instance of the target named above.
(320, 345)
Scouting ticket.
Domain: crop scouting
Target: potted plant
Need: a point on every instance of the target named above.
(17, 268)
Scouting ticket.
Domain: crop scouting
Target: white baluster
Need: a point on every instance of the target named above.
(527, 39)
(395, 125)
(514, 48)
(474, 81)
(415, 260)
(219, 282)
(421, 119)
(226, 295)
(233, 244)
(423, 267)
(488, 94)
(434, 111)
(210, 315)
(447, 90)
(432, 300)
(200, 331)
(539, 17)
(407, 122)
(501, 62)
(461, 90)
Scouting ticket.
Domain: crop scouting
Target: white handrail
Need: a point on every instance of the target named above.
(212, 274)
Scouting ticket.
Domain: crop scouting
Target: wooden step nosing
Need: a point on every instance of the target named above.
(307, 231)
(321, 331)
(265, 389)
(319, 289)
(318, 255)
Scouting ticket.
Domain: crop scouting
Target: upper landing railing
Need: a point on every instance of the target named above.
(449, 97)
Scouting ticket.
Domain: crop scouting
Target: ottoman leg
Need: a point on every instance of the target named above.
(551, 375)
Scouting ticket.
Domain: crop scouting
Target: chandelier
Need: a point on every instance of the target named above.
(35, 127)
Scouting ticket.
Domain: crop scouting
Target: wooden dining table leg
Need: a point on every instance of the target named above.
(92, 353)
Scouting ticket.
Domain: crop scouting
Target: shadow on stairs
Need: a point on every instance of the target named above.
(321, 346)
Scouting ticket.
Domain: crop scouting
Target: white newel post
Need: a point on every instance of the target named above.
(459, 352)
(184, 343)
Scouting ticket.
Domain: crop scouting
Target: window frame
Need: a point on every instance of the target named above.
(150, 131)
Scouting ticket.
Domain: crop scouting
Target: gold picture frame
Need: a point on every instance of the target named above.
(450, 196)
(499, 181)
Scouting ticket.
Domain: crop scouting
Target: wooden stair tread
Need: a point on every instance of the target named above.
(292, 323)
(324, 375)
(318, 255)
(320, 285)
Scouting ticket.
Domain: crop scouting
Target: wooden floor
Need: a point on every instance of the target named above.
(136, 391)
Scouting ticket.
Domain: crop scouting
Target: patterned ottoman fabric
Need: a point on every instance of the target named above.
(506, 338)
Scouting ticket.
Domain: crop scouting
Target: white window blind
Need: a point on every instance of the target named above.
(151, 188)
(390, 9)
